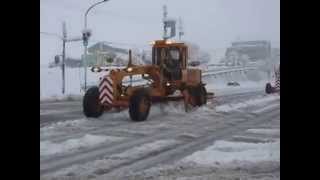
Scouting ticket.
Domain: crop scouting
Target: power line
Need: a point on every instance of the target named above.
(119, 43)
(50, 34)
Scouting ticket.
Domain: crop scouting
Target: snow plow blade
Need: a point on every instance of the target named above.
(210, 95)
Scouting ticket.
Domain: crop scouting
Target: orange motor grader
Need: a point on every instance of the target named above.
(168, 79)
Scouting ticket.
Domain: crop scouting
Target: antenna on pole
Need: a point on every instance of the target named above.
(165, 13)
(168, 23)
(181, 32)
(64, 29)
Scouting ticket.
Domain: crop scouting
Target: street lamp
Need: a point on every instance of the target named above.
(86, 33)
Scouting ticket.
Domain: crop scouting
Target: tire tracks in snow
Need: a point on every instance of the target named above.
(48, 166)
(63, 115)
(55, 163)
(125, 123)
(186, 149)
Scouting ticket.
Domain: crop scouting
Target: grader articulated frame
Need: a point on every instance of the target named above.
(166, 77)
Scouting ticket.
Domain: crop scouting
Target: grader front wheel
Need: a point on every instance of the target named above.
(139, 105)
(91, 105)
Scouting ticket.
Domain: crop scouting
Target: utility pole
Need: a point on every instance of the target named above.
(63, 55)
(64, 38)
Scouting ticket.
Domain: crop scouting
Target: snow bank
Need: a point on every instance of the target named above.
(265, 131)
(221, 88)
(140, 150)
(251, 102)
(227, 152)
(266, 108)
(135, 153)
(47, 112)
(88, 140)
(51, 83)
(71, 123)
(56, 98)
(218, 84)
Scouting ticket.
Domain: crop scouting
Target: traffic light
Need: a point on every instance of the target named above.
(57, 59)
(86, 33)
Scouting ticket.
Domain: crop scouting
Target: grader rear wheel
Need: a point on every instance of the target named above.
(202, 95)
(195, 96)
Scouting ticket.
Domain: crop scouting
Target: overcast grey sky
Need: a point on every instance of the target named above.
(209, 23)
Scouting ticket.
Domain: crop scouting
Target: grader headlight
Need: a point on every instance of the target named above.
(96, 69)
(168, 41)
(152, 43)
(129, 69)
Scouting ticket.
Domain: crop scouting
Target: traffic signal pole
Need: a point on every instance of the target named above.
(63, 66)
(64, 38)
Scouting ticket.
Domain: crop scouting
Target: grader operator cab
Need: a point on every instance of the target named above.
(171, 57)
(167, 74)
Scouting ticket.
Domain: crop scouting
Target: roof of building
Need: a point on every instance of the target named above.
(106, 48)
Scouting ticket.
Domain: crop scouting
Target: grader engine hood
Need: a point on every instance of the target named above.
(114, 87)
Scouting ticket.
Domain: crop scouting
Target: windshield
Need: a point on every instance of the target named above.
(174, 54)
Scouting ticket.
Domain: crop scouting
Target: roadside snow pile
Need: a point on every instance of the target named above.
(47, 112)
(70, 123)
(251, 102)
(88, 140)
(100, 166)
(227, 152)
(221, 87)
(264, 131)
(265, 108)
(140, 150)
(55, 98)
(59, 127)
(51, 83)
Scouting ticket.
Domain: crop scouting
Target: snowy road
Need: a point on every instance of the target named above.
(59, 111)
(113, 147)
(52, 112)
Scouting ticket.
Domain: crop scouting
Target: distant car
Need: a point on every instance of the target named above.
(233, 83)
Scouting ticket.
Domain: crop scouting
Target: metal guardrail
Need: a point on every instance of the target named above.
(216, 72)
